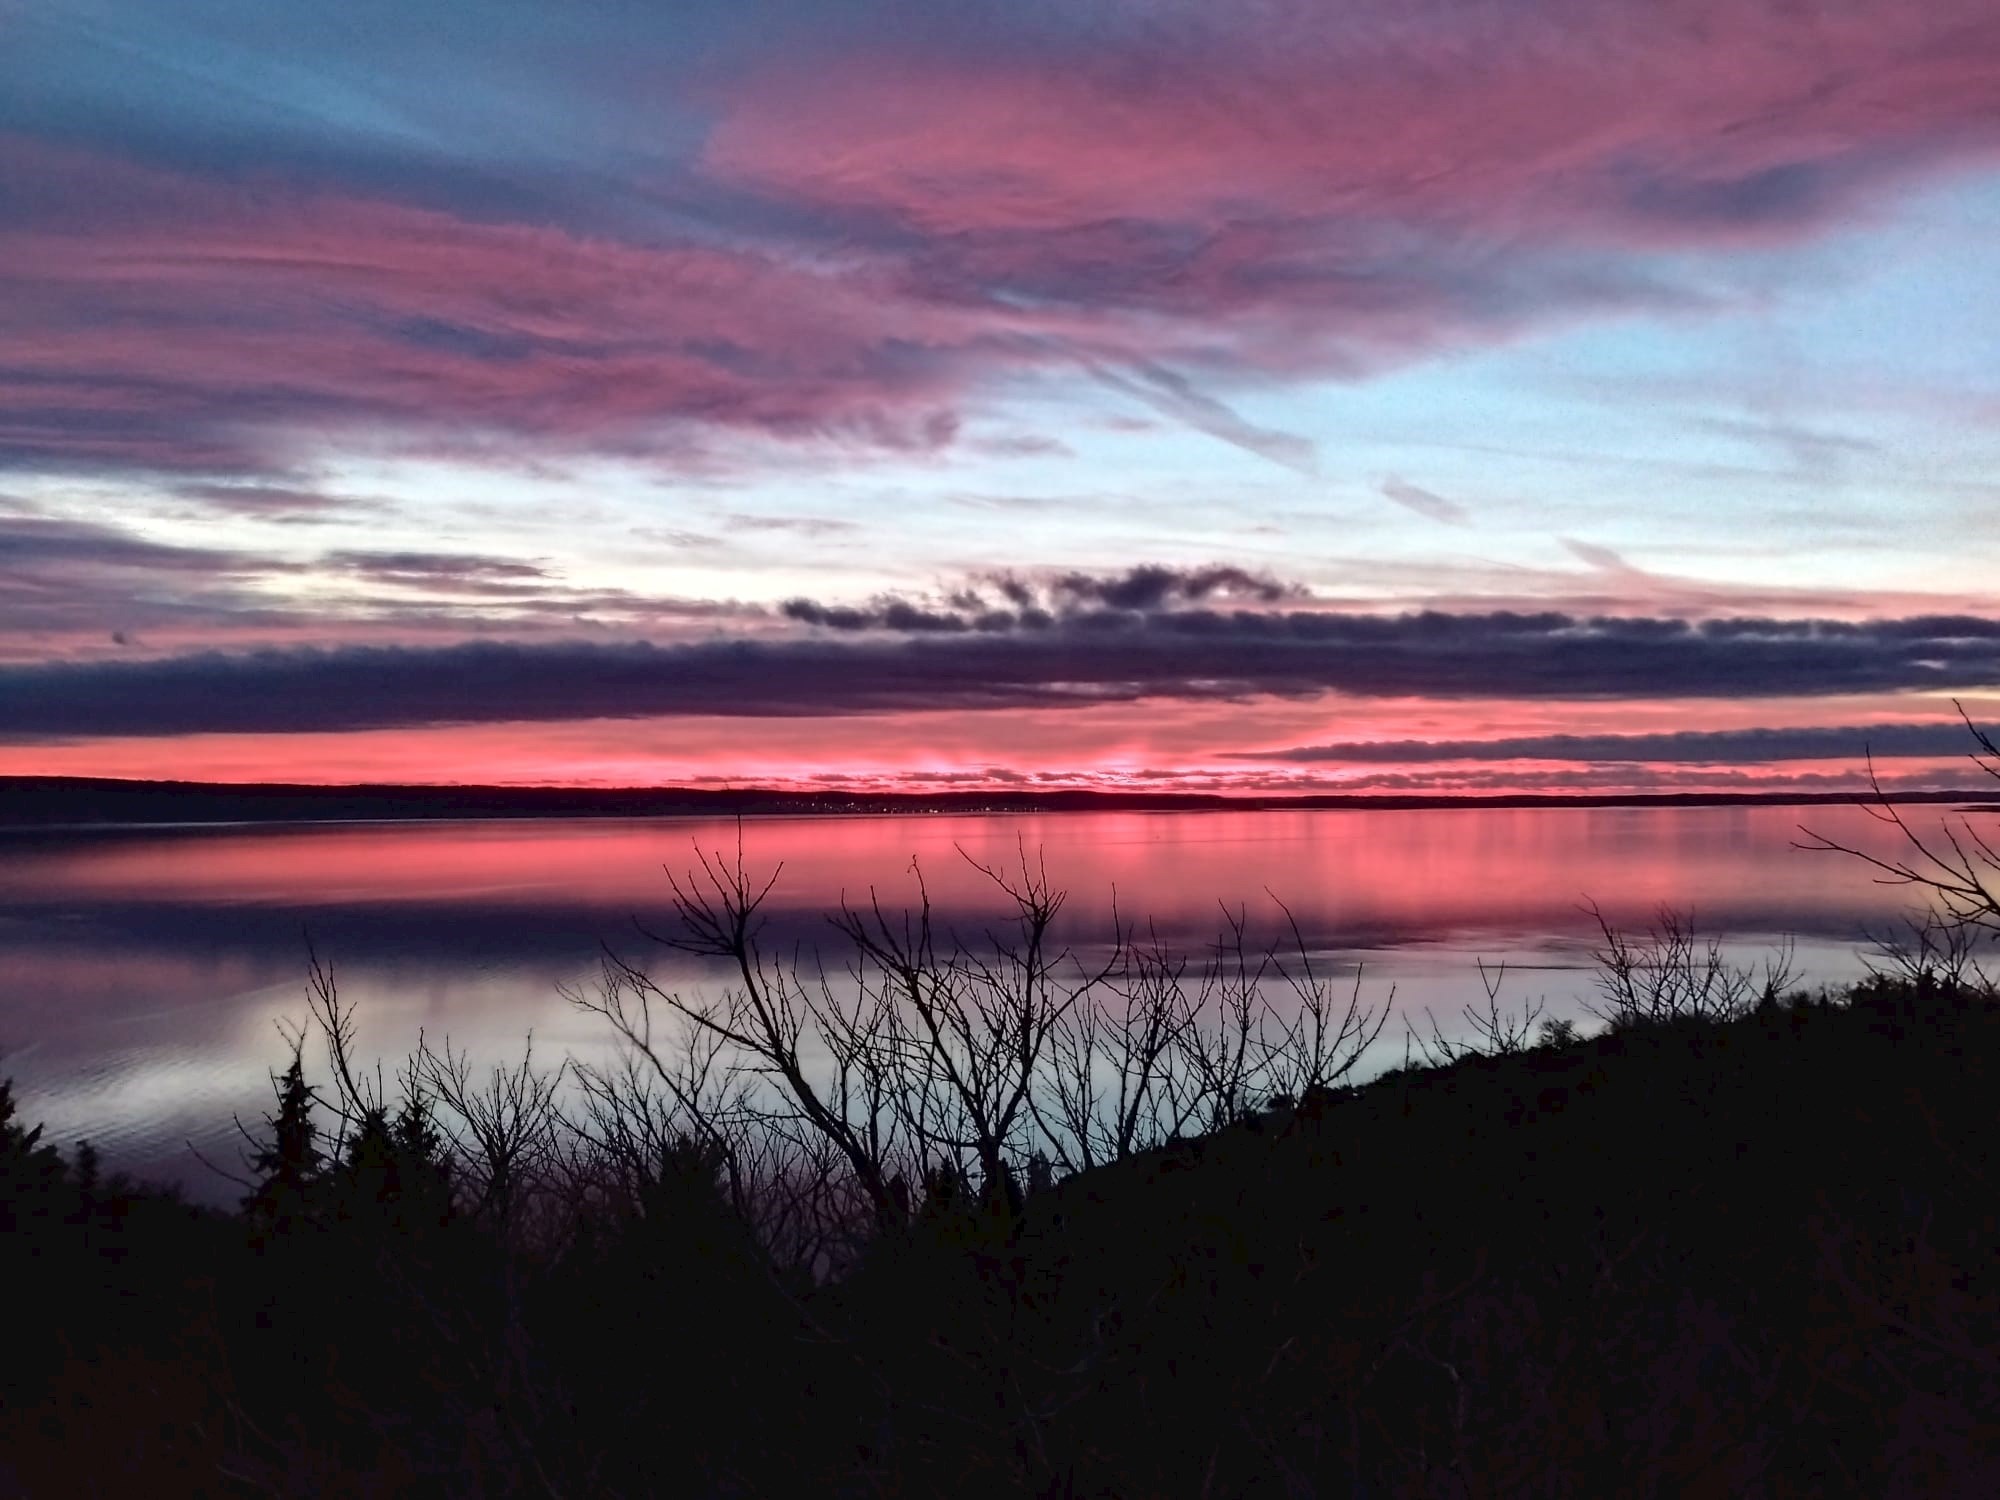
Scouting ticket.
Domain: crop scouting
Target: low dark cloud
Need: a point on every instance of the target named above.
(1093, 656)
(453, 572)
(896, 615)
(996, 603)
(1152, 586)
(1694, 746)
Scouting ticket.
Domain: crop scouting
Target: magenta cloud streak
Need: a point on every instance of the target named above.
(161, 321)
(1669, 121)
(867, 235)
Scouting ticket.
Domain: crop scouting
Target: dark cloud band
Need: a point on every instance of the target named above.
(1091, 657)
(1688, 747)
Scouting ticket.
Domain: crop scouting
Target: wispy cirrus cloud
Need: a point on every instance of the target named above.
(815, 528)
(288, 504)
(1174, 395)
(450, 572)
(1425, 502)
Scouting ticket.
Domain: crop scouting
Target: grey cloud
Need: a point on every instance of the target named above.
(1606, 779)
(83, 583)
(674, 538)
(1017, 593)
(808, 526)
(64, 578)
(1425, 502)
(436, 568)
(1693, 746)
(1601, 558)
(1784, 195)
(1091, 657)
(1025, 445)
(1174, 395)
(33, 542)
(892, 615)
(1811, 450)
(1035, 605)
(460, 575)
(273, 502)
(1152, 585)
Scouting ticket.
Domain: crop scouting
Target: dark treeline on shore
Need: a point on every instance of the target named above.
(74, 801)
(952, 1215)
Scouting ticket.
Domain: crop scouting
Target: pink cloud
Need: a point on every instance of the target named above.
(1298, 187)
(1663, 121)
(165, 321)
(1289, 188)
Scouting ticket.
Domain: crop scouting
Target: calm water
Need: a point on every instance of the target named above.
(142, 971)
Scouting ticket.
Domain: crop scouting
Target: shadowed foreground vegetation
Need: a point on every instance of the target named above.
(992, 1218)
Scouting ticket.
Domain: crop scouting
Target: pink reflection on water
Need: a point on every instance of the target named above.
(141, 972)
(1423, 875)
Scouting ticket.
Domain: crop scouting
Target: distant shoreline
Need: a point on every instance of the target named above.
(52, 802)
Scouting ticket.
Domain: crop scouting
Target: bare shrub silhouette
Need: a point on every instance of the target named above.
(1672, 973)
(1493, 1032)
(840, 1101)
(1932, 952)
(1955, 870)
(1557, 1032)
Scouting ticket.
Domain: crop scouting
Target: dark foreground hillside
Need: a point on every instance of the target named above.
(1745, 1258)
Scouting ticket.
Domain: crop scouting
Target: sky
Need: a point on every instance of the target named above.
(1397, 395)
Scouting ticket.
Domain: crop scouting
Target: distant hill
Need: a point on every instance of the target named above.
(47, 801)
